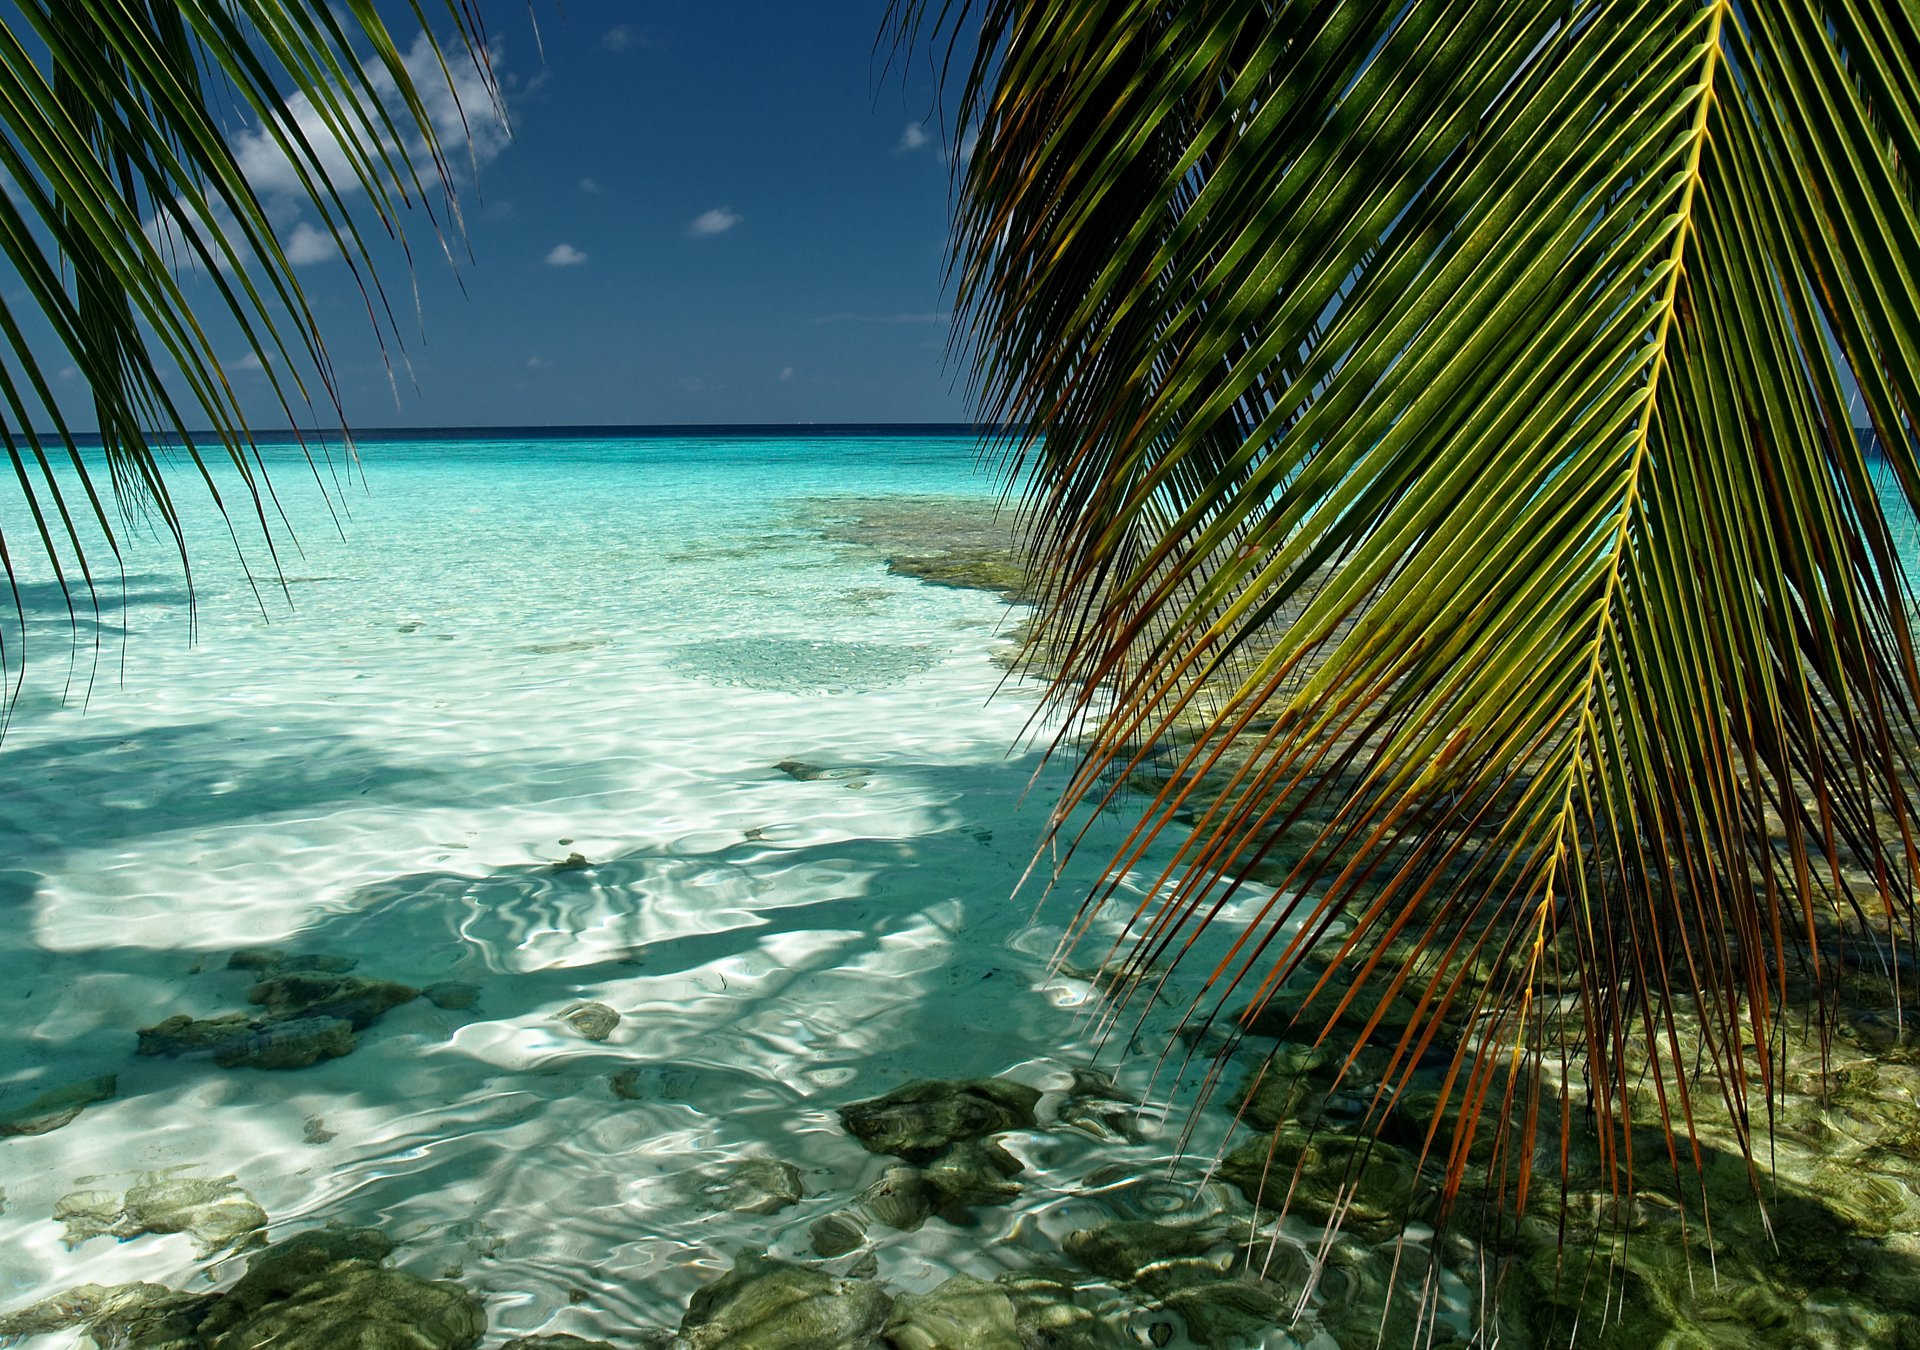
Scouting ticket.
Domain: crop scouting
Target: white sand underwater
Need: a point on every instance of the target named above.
(518, 653)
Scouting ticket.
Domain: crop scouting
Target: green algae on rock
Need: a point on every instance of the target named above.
(452, 995)
(594, 1021)
(234, 1040)
(319, 994)
(76, 1307)
(763, 1304)
(214, 1211)
(749, 1186)
(962, 1313)
(924, 1118)
(901, 1199)
(836, 1235)
(56, 1106)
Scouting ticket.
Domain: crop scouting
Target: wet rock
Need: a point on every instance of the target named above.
(326, 1289)
(763, 1304)
(1048, 1312)
(977, 1172)
(836, 1235)
(167, 1319)
(1236, 1312)
(1372, 1185)
(925, 1118)
(1156, 1256)
(902, 1198)
(56, 1107)
(317, 994)
(627, 1085)
(183, 1035)
(453, 995)
(76, 1307)
(214, 1211)
(750, 1186)
(573, 862)
(291, 1035)
(292, 1044)
(961, 1314)
(595, 1021)
(1096, 1105)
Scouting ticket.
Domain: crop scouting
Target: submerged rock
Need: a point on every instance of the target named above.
(288, 1045)
(763, 1304)
(595, 1021)
(326, 1290)
(76, 1307)
(311, 1012)
(214, 1211)
(1048, 1312)
(1372, 1185)
(962, 1314)
(235, 1040)
(1156, 1256)
(560, 1341)
(977, 1172)
(836, 1235)
(750, 1186)
(317, 994)
(167, 1320)
(902, 1198)
(56, 1107)
(802, 772)
(925, 1118)
(453, 995)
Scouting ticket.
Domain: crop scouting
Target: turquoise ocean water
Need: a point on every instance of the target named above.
(509, 651)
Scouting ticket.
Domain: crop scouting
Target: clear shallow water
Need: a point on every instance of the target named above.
(519, 651)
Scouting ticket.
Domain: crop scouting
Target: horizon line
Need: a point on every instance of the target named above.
(340, 435)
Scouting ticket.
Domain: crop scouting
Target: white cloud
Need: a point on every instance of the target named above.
(251, 361)
(848, 316)
(536, 362)
(717, 221)
(565, 255)
(588, 185)
(464, 112)
(617, 38)
(913, 137)
(307, 245)
(786, 374)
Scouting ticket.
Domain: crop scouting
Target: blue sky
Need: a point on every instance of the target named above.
(705, 213)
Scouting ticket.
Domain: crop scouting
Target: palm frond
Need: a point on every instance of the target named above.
(120, 173)
(1439, 417)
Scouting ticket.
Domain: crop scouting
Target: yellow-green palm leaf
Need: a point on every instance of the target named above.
(1442, 418)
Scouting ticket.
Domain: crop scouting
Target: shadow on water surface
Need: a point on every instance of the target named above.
(763, 982)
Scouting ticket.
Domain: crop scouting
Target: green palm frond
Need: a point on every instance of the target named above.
(120, 173)
(1442, 419)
